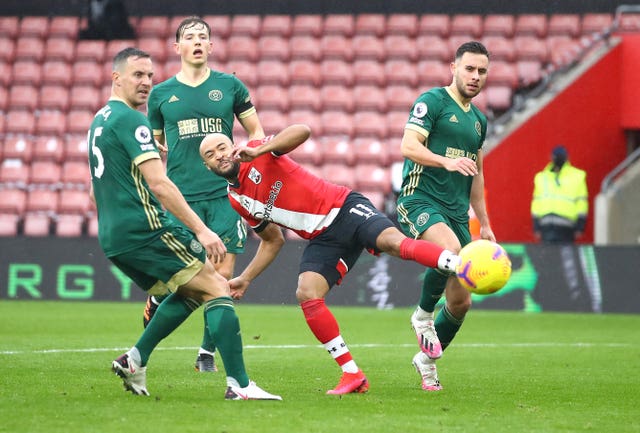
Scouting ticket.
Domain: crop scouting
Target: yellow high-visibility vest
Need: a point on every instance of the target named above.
(563, 194)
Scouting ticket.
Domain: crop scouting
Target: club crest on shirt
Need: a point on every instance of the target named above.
(420, 110)
(254, 176)
(142, 134)
(215, 95)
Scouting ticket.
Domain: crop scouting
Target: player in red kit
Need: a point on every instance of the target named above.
(269, 189)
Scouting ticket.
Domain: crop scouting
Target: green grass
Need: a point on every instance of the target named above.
(506, 372)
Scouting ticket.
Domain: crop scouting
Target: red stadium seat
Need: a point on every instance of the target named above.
(499, 25)
(337, 97)
(154, 26)
(377, 198)
(595, 23)
(115, 46)
(60, 48)
(75, 148)
(530, 48)
(37, 224)
(304, 47)
(20, 121)
(14, 173)
(51, 122)
(23, 96)
(402, 24)
(4, 102)
(434, 25)
(308, 152)
(308, 24)
(249, 25)
(500, 48)
(273, 121)
(75, 174)
(34, 26)
(242, 47)
(42, 200)
(271, 97)
(9, 223)
(277, 25)
(396, 121)
(69, 225)
(6, 78)
(56, 72)
(370, 124)
(304, 72)
(337, 150)
(529, 72)
(467, 24)
(369, 97)
(272, 47)
(369, 150)
(371, 24)
(243, 69)
(93, 50)
(503, 73)
(480, 101)
(45, 173)
(273, 72)
(74, 201)
(9, 26)
(92, 226)
(562, 50)
(305, 97)
(400, 97)
(54, 97)
(400, 47)
(337, 123)
(339, 24)
(157, 47)
(337, 47)
(373, 177)
(336, 72)
(531, 25)
(90, 73)
(48, 148)
(455, 40)
(309, 118)
(220, 26)
(7, 50)
(339, 174)
(432, 47)
(18, 147)
(564, 25)
(79, 121)
(27, 72)
(432, 73)
(83, 96)
(499, 97)
(369, 72)
(368, 47)
(64, 26)
(401, 72)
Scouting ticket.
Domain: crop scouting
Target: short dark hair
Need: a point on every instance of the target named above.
(474, 47)
(189, 22)
(121, 58)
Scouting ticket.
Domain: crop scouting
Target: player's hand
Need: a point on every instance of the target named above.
(465, 166)
(162, 148)
(238, 286)
(216, 251)
(245, 154)
(487, 233)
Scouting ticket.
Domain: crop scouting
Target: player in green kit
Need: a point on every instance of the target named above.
(130, 189)
(182, 110)
(442, 175)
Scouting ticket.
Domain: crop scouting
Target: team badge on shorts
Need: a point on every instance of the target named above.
(215, 95)
(422, 219)
(195, 246)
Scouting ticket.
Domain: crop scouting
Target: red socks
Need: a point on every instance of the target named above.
(423, 252)
(325, 327)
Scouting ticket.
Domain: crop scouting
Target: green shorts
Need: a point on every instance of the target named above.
(170, 261)
(416, 219)
(220, 217)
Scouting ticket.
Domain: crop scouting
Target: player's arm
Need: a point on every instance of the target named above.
(271, 241)
(414, 146)
(173, 201)
(478, 202)
(252, 126)
(283, 142)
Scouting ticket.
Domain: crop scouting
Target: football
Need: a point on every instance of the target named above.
(485, 267)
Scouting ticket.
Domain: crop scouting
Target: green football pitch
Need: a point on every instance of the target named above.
(505, 372)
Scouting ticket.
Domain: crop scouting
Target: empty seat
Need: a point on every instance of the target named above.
(562, 50)
(480, 101)
(48, 148)
(220, 25)
(17, 147)
(7, 50)
(396, 121)
(400, 97)
(244, 70)
(401, 72)
(335, 71)
(87, 72)
(370, 124)
(309, 118)
(370, 151)
(500, 48)
(304, 96)
(432, 47)
(36, 26)
(92, 226)
(304, 47)
(60, 48)
(79, 121)
(339, 174)
(335, 122)
(272, 72)
(308, 24)
(371, 24)
(400, 47)
(503, 73)
(75, 148)
(9, 26)
(42, 200)
(20, 121)
(529, 72)
(455, 40)
(530, 48)
(157, 47)
(85, 96)
(9, 223)
(154, 26)
(499, 25)
(242, 47)
(308, 152)
(272, 121)
(338, 150)
(377, 198)
(115, 46)
(74, 201)
(4, 104)
(595, 23)
(499, 97)
(37, 224)
(64, 26)
(45, 173)
(369, 98)
(75, 174)
(69, 225)
(14, 173)
(30, 48)
(23, 96)
(246, 25)
(336, 47)
(271, 96)
(368, 47)
(51, 122)
(278, 25)
(56, 72)
(339, 24)
(467, 24)
(564, 25)
(402, 24)
(531, 24)
(337, 97)
(304, 72)
(54, 97)
(373, 177)
(434, 25)
(273, 47)
(433, 73)
(27, 72)
(369, 72)
(93, 50)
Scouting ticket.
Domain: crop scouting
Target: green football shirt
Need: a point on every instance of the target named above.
(129, 215)
(453, 131)
(186, 114)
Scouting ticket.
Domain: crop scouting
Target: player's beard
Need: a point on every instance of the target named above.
(230, 173)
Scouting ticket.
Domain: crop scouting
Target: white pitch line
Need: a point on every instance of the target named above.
(310, 346)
